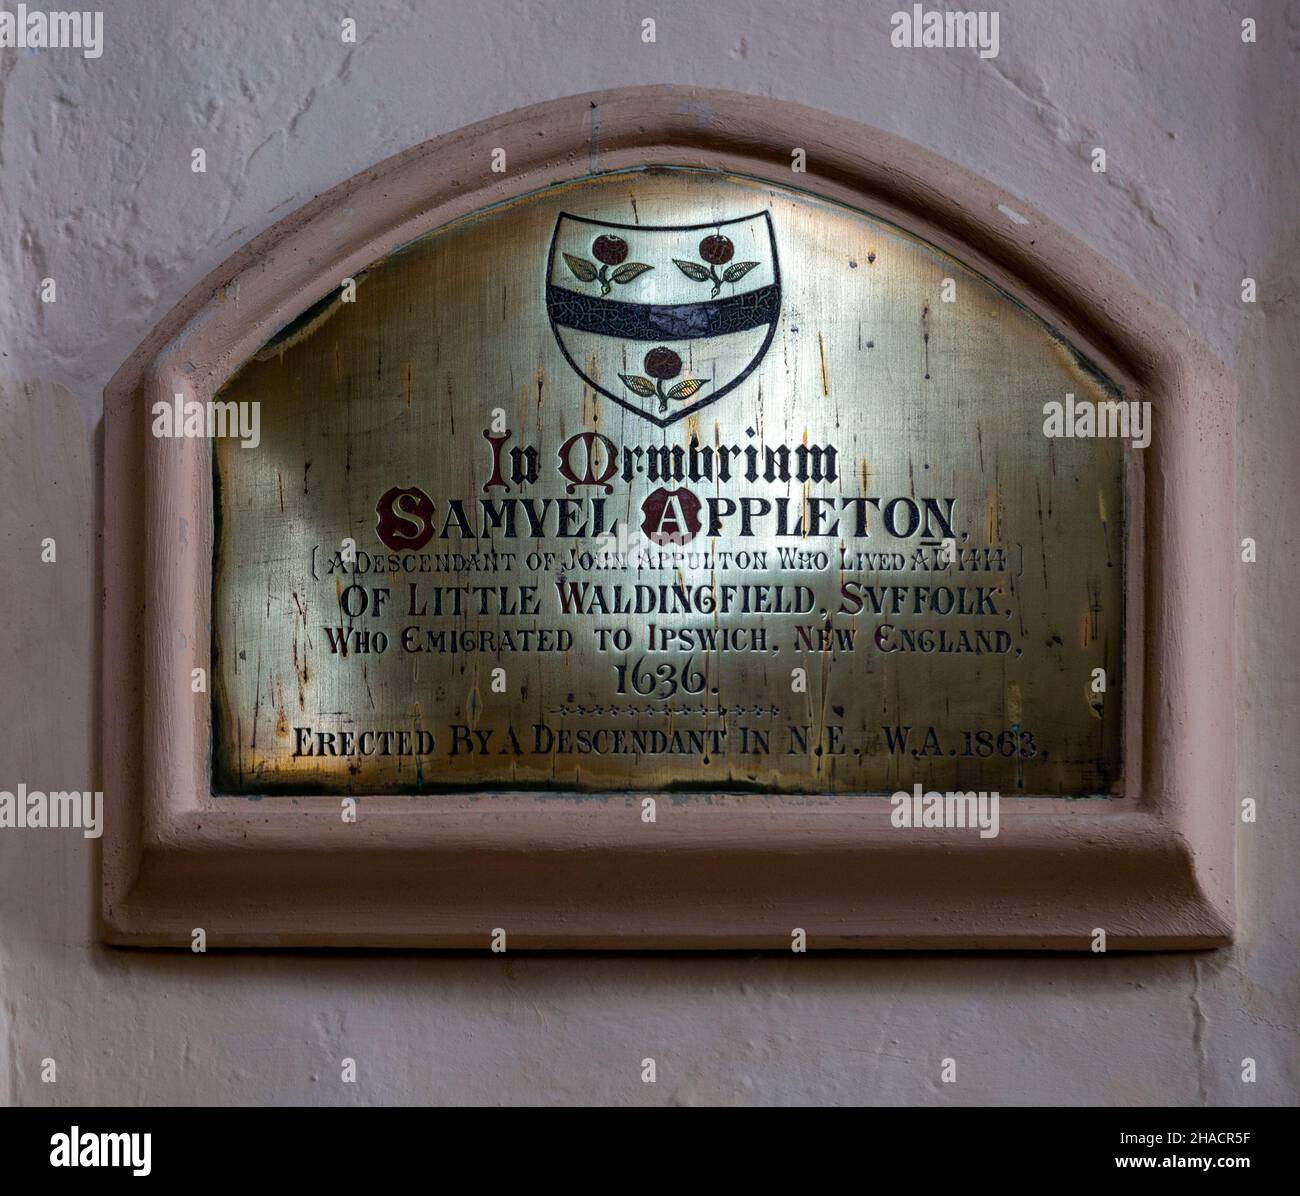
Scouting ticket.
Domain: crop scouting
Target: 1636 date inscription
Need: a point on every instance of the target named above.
(667, 481)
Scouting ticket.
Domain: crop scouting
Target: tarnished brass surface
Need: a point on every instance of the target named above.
(838, 336)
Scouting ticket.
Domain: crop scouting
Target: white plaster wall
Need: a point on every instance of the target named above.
(96, 191)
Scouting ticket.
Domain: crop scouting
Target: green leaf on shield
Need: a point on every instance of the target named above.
(638, 385)
(737, 271)
(692, 270)
(631, 270)
(582, 268)
(686, 388)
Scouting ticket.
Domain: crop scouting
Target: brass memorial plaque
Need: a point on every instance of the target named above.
(667, 480)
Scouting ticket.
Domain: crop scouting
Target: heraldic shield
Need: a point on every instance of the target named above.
(663, 319)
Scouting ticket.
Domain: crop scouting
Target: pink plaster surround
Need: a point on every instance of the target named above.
(1154, 868)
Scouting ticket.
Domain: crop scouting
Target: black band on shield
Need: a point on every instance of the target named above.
(663, 322)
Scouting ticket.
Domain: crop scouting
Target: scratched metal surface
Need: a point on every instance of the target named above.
(919, 397)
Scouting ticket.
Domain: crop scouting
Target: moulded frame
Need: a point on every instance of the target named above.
(1154, 868)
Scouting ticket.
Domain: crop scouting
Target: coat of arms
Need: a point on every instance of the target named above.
(663, 319)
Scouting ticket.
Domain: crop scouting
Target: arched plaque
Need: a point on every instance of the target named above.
(605, 555)
(785, 521)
